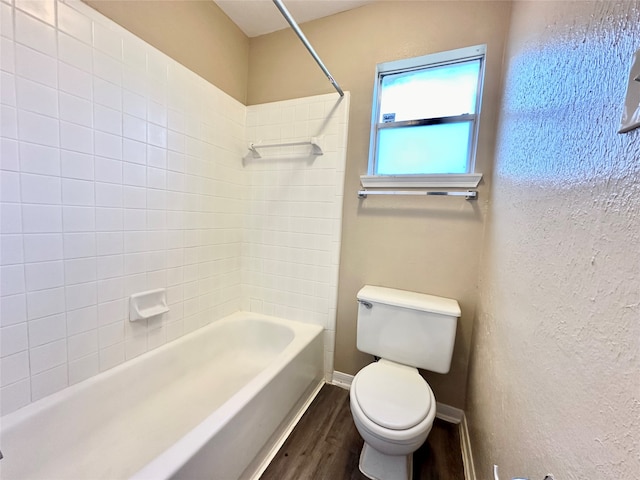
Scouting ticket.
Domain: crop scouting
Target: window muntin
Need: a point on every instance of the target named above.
(425, 114)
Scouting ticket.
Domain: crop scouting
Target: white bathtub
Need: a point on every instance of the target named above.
(209, 405)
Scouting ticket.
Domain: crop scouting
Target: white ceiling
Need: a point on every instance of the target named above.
(257, 17)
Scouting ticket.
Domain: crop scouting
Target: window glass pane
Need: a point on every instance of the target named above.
(425, 149)
(442, 91)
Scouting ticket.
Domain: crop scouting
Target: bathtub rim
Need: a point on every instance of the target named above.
(172, 459)
(13, 419)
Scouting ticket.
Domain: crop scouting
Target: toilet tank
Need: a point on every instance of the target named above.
(407, 327)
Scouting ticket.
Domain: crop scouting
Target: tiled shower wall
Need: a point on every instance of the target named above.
(121, 172)
(291, 247)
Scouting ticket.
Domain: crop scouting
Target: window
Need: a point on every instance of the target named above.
(425, 120)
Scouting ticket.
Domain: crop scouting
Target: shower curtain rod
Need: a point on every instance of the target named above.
(287, 16)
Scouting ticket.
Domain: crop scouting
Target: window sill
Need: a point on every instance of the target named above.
(463, 180)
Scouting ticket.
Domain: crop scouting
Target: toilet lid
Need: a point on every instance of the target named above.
(392, 395)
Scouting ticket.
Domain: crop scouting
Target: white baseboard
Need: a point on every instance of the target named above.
(448, 413)
(465, 446)
(342, 380)
(443, 411)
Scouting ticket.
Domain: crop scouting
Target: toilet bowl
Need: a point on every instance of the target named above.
(393, 409)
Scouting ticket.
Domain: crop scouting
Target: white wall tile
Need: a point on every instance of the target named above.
(8, 122)
(44, 10)
(10, 187)
(107, 120)
(109, 219)
(111, 356)
(78, 245)
(38, 129)
(110, 243)
(80, 270)
(76, 138)
(134, 128)
(134, 104)
(76, 109)
(107, 145)
(10, 218)
(135, 175)
(15, 396)
(39, 159)
(9, 154)
(78, 219)
(156, 157)
(110, 266)
(83, 368)
(43, 275)
(6, 21)
(14, 368)
(76, 165)
(11, 249)
(44, 303)
(12, 279)
(107, 41)
(75, 81)
(108, 195)
(74, 23)
(13, 339)
(42, 247)
(35, 34)
(49, 355)
(134, 219)
(107, 93)
(48, 382)
(41, 218)
(83, 344)
(77, 192)
(81, 295)
(82, 320)
(13, 310)
(40, 189)
(36, 97)
(74, 52)
(134, 152)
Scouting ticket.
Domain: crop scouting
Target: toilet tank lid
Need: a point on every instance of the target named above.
(406, 299)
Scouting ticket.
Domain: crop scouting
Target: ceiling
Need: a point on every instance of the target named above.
(257, 17)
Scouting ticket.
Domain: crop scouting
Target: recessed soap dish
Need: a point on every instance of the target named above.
(148, 304)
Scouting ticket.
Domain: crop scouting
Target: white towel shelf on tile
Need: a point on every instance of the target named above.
(315, 142)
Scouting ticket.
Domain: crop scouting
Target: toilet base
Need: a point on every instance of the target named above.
(378, 466)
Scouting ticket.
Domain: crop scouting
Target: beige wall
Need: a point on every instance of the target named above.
(554, 383)
(197, 34)
(429, 245)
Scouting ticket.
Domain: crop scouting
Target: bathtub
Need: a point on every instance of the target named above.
(211, 404)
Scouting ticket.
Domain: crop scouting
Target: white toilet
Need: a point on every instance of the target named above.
(393, 407)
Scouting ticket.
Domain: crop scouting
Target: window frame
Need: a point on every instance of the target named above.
(468, 179)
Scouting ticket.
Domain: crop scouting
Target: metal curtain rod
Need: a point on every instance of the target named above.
(287, 16)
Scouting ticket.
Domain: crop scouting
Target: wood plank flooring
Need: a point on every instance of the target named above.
(325, 445)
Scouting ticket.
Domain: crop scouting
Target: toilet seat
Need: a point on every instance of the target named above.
(392, 395)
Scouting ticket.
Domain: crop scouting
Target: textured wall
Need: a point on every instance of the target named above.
(555, 371)
(429, 245)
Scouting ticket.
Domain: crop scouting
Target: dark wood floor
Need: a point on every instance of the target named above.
(326, 445)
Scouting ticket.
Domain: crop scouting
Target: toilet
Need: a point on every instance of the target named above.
(393, 407)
